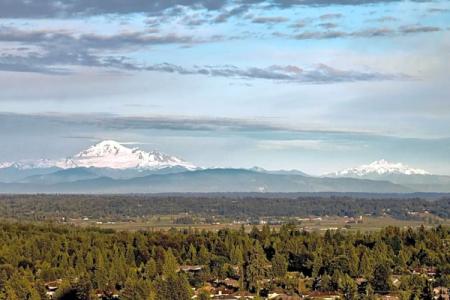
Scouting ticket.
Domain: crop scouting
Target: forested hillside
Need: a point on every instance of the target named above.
(72, 263)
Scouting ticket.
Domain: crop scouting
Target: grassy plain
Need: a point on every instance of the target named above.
(166, 222)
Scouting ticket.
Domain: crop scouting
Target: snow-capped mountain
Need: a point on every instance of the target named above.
(5, 164)
(30, 164)
(379, 168)
(398, 173)
(109, 154)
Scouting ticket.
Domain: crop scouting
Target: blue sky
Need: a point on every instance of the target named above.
(314, 85)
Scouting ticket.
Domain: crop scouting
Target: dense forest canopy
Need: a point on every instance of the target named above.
(87, 263)
(38, 207)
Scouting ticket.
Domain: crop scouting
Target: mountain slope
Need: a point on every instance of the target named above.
(214, 180)
(106, 154)
(380, 167)
(111, 154)
(14, 173)
(398, 173)
(67, 175)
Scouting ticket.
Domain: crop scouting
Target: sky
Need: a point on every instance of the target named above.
(313, 85)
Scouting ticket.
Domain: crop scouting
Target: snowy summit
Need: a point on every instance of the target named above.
(114, 155)
(381, 167)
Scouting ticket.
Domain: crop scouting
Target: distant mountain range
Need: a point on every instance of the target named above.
(398, 173)
(380, 168)
(111, 167)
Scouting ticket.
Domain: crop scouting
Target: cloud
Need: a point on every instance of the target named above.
(330, 16)
(319, 35)
(384, 19)
(290, 3)
(328, 25)
(299, 24)
(59, 52)
(365, 33)
(415, 29)
(92, 122)
(307, 144)
(438, 10)
(226, 14)
(294, 74)
(79, 8)
(319, 74)
(56, 50)
(119, 40)
(270, 20)
(164, 122)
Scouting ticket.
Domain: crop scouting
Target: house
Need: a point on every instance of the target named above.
(243, 295)
(107, 294)
(430, 271)
(227, 283)
(323, 295)
(361, 284)
(389, 297)
(190, 269)
(51, 287)
(231, 283)
(395, 279)
(441, 292)
(222, 294)
(275, 296)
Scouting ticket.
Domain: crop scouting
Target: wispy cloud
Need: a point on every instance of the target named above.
(328, 25)
(80, 8)
(384, 19)
(56, 50)
(319, 74)
(365, 33)
(419, 28)
(438, 10)
(331, 16)
(270, 20)
(173, 122)
(306, 144)
(52, 62)
(70, 39)
(227, 13)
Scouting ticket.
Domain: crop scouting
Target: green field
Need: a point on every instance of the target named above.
(166, 222)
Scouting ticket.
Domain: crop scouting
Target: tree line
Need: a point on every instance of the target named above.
(44, 207)
(145, 264)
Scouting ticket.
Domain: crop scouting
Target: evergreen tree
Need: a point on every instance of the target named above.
(170, 264)
(279, 265)
(256, 268)
(381, 278)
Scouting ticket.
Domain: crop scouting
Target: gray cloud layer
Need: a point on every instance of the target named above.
(183, 123)
(366, 33)
(53, 50)
(95, 41)
(319, 74)
(77, 8)
(47, 51)
(270, 20)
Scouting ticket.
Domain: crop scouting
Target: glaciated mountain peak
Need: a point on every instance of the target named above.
(114, 155)
(104, 148)
(381, 167)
